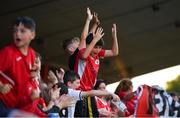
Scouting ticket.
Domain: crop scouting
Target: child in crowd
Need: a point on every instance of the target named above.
(59, 100)
(87, 64)
(106, 106)
(73, 45)
(102, 104)
(72, 80)
(56, 100)
(126, 94)
(16, 63)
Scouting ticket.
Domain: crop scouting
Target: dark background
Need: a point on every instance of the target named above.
(148, 31)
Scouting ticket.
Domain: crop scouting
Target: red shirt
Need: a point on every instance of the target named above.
(32, 108)
(129, 104)
(88, 69)
(16, 66)
(103, 104)
(28, 90)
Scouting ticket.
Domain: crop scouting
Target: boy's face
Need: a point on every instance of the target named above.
(96, 50)
(72, 47)
(75, 84)
(22, 36)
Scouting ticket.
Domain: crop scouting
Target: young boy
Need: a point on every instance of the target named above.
(16, 62)
(72, 81)
(73, 45)
(87, 62)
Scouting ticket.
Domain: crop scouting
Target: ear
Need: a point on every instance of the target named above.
(33, 34)
(69, 84)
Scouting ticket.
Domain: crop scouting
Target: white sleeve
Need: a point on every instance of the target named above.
(75, 93)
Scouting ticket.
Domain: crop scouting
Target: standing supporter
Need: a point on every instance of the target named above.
(74, 44)
(16, 62)
(87, 62)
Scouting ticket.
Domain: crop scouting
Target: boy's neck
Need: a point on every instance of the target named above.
(24, 50)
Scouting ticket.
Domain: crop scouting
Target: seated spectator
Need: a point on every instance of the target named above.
(126, 94)
(102, 104)
(72, 80)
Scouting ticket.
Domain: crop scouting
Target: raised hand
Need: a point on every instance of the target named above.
(5, 88)
(52, 77)
(65, 101)
(114, 31)
(90, 16)
(35, 94)
(99, 34)
(96, 19)
(60, 74)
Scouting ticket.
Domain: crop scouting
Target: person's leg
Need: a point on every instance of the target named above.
(81, 108)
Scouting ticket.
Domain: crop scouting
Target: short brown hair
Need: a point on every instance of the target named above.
(124, 85)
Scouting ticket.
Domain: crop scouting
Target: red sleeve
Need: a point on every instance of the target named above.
(33, 55)
(80, 53)
(5, 57)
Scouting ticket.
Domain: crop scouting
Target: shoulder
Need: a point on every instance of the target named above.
(80, 52)
(74, 93)
(8, 50)
(31, 52)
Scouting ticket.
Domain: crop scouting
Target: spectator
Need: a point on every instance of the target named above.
(16, 62)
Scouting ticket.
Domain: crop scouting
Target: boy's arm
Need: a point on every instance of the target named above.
(99, 34)
(96, 23)
(85, 30)
(4, 65)
(100, 93)
(114, 50)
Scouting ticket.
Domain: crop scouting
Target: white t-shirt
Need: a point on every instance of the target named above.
(76, 94)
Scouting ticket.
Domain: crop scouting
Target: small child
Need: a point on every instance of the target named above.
(74, 44)
(102, 103)
(72, 80)
(16, 62)
(88, 59)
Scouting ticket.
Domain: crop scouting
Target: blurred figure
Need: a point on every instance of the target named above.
(16, 63)
(72, 80)
(126, 94)
(102, 104)
(166, 103)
